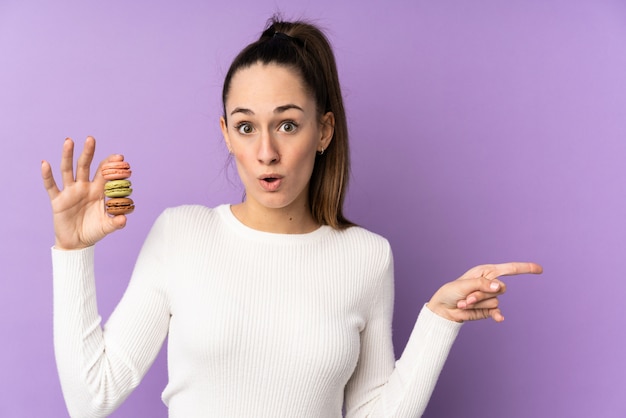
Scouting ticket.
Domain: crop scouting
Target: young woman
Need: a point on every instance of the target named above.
(277, 306)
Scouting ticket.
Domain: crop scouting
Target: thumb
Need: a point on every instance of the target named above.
(478, 289)
(115, 223)
(479, 284)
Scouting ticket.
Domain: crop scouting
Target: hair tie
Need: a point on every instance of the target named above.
(281, 35)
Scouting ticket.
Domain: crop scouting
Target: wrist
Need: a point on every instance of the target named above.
(442, 311)
(59, 245)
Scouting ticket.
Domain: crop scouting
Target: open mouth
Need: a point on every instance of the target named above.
(270, 183)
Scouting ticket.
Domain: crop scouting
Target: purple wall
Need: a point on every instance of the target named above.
(482, 131)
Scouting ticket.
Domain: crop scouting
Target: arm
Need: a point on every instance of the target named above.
(100, 366)
(380, 388)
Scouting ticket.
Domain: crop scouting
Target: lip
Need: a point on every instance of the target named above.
(270, 182)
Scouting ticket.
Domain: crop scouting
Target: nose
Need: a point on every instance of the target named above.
(268, 151)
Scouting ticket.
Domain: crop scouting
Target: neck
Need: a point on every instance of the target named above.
(288, 220)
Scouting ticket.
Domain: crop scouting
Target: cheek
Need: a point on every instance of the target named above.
(305, 163)
(308, 150)
(240, 153)
(241, 162)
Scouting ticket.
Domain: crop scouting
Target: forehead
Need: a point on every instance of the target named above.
(267, 85)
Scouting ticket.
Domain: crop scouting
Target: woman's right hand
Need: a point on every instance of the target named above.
(79, 216)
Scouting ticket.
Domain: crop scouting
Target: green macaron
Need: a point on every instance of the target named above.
(117, 188)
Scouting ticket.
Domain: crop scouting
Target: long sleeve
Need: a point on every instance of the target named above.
(246, 338)
(380, 388)
(100, 366)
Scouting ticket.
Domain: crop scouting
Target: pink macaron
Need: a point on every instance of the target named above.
(116, 170)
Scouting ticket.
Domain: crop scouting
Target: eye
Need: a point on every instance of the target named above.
(288, 127)
(244, 128)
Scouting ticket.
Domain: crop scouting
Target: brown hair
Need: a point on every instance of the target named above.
(304, 47)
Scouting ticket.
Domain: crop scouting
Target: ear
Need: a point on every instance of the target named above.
(224, 129)
(327, 130)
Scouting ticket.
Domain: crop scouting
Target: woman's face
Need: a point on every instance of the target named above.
(274, 132)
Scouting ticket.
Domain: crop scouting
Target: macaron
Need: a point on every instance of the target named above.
(120, 206)
(116, 170)
(117, 188)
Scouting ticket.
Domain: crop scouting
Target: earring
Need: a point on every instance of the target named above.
(322, 151)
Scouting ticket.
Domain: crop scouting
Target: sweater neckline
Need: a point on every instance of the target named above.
(231, 220)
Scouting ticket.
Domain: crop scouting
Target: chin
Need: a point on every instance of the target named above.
(275, 204)
(276, 201)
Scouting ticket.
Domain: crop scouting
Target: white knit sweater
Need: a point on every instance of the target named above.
(258, 324)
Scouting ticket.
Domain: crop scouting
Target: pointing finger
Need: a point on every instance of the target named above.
(493, 271)
(512, 269)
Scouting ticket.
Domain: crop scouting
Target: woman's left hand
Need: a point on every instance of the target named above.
(474, 295)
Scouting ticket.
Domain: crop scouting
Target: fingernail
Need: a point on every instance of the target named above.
(494, 285)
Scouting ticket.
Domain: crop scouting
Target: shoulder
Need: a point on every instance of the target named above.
(369, 258)
(185, 212)
(187, 218)
(363, 243)
(358, 234)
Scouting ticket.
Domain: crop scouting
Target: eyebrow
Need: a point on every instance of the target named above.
(279, 109)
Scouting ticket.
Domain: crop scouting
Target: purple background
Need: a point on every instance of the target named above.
(482, 131)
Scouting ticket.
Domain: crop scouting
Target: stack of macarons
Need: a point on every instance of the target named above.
(117, 188)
